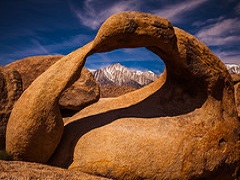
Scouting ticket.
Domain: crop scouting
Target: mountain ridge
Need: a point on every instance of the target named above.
(119, 75)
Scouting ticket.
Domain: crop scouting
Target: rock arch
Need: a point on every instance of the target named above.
(190, 108)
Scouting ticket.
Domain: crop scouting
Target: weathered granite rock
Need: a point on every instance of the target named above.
(236, 81)
(183, 126)
(237, 97)
(236, 78)
(26, 170)
(35, 125)
(31, 67)
(10, 91)
(82, 93)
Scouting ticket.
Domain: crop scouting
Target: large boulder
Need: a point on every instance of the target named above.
(82, 93)
(10, 91)
(182, 126)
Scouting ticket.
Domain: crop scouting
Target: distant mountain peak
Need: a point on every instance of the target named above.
(233, 68)
(119, 75)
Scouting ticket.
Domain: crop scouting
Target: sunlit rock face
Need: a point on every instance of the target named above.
(83, 92)
(182, 126)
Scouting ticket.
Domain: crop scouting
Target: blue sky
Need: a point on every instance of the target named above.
(42, 27)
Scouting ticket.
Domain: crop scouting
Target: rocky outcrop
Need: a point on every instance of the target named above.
(31, 67)
(235, 78)
(10, 91)
(237, 97)
(182, 126)
(25, 170)
(82, 93)
(236, 81)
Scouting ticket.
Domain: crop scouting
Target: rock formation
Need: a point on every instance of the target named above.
(237, 97)
(35, 126)
(25, 170)
(10, 91)
(182, 126)
(114, 91)
(236, 81)
(82, 93)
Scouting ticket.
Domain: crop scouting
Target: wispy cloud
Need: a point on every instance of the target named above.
(229, 56)
(174, 12)
(92, 16)
(223, 32)
(39, 46)
(35, 47)
(208, 21)
(222, 35)
(21, 52)
(75, 41)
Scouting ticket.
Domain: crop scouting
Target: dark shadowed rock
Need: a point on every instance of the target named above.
(237, 97)
(10, 91)
(236, 80)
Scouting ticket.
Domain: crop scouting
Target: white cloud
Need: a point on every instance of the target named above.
(222, 32)
(220, 41)
(208, 21)
(92, 15)
(232, 57)
(174, 12)
(220, 28)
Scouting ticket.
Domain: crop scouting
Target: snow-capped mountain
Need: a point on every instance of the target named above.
(117, 74)
(233, 68)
